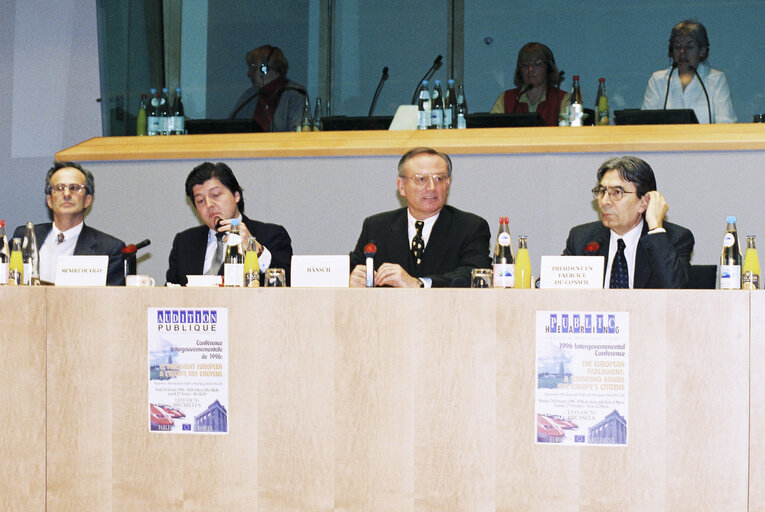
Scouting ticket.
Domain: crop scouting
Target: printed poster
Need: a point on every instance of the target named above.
(188, 370)
(582, 370)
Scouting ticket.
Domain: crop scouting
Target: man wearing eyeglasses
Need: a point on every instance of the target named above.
(69, 192)
(427, 243)
(642, 250)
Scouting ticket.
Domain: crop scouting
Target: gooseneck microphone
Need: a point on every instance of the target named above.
(428, 75)
(133, 248)
(377, 91)
(666, 96)
(709, 108)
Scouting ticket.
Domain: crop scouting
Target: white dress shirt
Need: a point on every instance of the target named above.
(50, 250)
(693, 96)
(631, 240)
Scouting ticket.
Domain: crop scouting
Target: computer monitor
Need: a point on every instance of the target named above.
(669, 116)
(484, 120)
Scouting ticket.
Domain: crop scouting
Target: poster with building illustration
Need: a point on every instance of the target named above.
(188, 370)
(582, 378)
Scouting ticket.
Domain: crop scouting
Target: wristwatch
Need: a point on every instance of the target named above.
(422, 283)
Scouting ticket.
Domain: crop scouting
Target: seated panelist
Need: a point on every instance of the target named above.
(537, 86)
(218, 198)
(641, 249)
(427, 243)
(69, 192)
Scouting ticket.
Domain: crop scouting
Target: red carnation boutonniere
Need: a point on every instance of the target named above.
(591, 248)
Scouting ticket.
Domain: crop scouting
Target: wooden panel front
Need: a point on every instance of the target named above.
(346, 400)
(22, 397)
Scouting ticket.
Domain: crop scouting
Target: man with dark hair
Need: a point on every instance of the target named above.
(427, 243)
(215, 192)
(642, 250)
(273, 102)
(69, 191)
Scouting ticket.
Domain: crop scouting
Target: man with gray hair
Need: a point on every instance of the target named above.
(641, 249)
(427, 243)
(69, 192)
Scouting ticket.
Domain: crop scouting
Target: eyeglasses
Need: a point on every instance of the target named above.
(536, 63)
(422, 179)
(74, 188)
(616, 193)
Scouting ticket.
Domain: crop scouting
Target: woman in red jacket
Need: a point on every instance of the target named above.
(537, 81)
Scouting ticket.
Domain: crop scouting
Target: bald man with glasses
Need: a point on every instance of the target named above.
(641, 249)
(69, 191)
(427, 243)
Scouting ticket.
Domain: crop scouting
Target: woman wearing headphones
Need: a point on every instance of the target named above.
(273, 102)
(537, 81)
(691, 82)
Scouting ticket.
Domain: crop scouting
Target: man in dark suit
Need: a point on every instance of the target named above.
(641, 249)
(218, 198)
(426, 244)
(69, 192)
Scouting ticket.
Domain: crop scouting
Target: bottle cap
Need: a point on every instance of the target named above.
(576, 77)
(731, 219)
(437, 82)
(504, 220)
(601, 79)
(424, 82)
(234, 222)
(451, 81)
(2, 223)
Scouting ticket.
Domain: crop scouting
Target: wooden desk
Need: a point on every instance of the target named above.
(719, 137)
(377, 400)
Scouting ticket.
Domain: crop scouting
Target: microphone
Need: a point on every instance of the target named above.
(523, 89)
(133, 248)
(383, 78)
(428, 75)
(666, 96)
(369, 253)
(129, 259)
(709, 109)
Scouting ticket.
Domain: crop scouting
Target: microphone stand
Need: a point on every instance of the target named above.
(428, 75)
(666, 96)
(377, 91)
(709, 108)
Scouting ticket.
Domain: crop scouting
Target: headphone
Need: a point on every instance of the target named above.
(264, 64)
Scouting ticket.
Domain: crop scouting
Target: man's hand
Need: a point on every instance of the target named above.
(358, 277)
(657, 208)
(391, 274)
(244, 233)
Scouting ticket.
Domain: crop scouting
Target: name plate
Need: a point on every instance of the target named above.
(81, 270)
(320, 271)
(203, 280)
(572, 272)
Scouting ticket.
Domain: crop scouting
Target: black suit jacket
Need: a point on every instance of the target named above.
(91, 242)
(187, 257)
(458, 243)
(662, 260)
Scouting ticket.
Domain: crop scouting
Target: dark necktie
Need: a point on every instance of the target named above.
(418, 245)
(620, 277)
